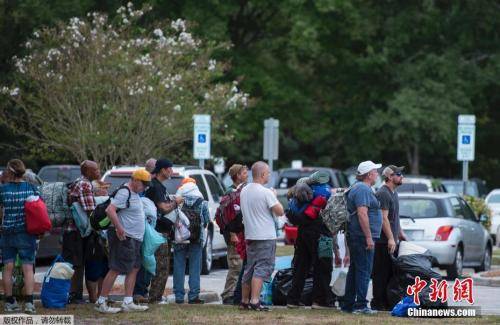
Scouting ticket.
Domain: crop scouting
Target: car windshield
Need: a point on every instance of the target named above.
(289, 178)
(412, 188)
(59, 174)
(457, 187)
(494, 198)
(171, 184)
(418, 208)
(116, 181)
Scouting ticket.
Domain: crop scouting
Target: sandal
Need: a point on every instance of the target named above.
(258, 307)
(243, 306)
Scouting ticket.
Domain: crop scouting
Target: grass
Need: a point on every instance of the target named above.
(284, 250)
(219, 314)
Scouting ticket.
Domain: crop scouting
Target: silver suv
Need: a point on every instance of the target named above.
(446, 225)
(215, 246)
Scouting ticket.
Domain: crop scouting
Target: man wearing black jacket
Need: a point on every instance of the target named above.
(159, 195)
(314, 247)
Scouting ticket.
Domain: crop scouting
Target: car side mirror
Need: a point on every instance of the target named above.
(483, 218)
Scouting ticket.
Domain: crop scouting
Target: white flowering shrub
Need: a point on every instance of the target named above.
(116, 92)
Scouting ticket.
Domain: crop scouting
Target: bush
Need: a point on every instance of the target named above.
(117, 92)
(480, 208)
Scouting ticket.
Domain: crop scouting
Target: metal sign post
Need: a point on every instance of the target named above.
(271, 141)
(466, 134)
(201, 138)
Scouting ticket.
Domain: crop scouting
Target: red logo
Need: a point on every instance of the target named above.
(462, 290)
(439, 290)
(415, 289)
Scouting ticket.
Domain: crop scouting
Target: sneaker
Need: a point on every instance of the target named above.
(138, 299)
(29, 308)
(8, 307)
(196, 301)
(321, 306)
(133, 307)
(105, 309)
(365, 311)
(258, 307)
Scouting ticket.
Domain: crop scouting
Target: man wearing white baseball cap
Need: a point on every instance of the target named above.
(364, 227)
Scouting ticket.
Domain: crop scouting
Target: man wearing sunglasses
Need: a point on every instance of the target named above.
(391, 234)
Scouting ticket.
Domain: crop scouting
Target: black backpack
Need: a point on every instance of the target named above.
(99, 220)
(193, 213)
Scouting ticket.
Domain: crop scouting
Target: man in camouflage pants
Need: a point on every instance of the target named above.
(159, 195)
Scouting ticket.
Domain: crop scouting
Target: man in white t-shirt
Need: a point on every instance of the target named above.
(258, 204)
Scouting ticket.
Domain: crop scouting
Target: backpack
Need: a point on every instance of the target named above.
(228, 209)
(55, 196)
(193, 213)
(335, 215)
(99, 220)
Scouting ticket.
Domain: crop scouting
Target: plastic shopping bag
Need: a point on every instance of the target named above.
(150, 243)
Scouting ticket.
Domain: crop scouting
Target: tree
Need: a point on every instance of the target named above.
(116, 92)
(423, 112)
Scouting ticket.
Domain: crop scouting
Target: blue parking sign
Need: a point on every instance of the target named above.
(202, 138)
(465, 139)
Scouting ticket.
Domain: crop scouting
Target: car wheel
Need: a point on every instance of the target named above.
(455, 270)
(207, 258)
(486, 264)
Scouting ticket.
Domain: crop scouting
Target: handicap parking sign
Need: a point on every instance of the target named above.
(202, 138)
(465, 139)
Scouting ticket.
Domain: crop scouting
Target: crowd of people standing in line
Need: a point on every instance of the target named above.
(372, 236)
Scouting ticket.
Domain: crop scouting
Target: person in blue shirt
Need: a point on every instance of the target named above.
(364, 229)
(14, 240)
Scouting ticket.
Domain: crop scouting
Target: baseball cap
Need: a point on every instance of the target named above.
(367, 166)
(235, 169)
(391, 169)
(160, 164)
(142, 175)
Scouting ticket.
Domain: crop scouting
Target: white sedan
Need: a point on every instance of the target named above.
(493, 202)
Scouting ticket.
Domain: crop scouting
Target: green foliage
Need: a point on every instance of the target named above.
(115, 92)
(349, 79)
(480, 208)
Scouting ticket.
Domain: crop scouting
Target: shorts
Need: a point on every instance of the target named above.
(95, 270)
(22, 244)
(124, 255)
(261, 255)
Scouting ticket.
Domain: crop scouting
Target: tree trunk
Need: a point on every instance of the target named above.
(413, 157)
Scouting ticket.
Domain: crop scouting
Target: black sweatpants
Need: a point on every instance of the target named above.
(381, 275)
(306, 255)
